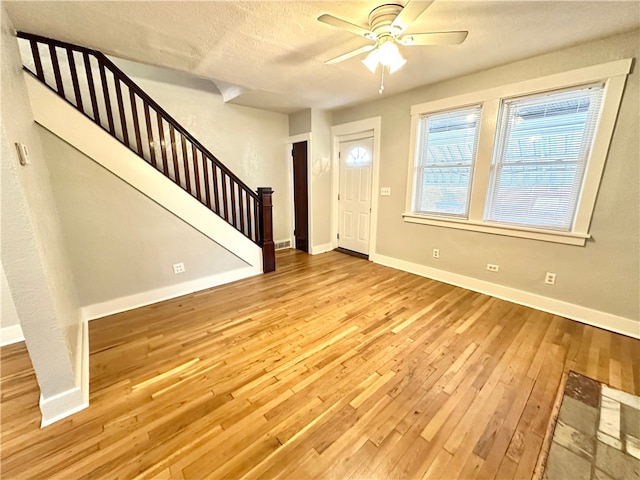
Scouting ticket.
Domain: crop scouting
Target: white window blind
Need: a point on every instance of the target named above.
(445, 154)
(542, 147)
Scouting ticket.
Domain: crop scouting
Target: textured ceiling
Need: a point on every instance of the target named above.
(270, 54)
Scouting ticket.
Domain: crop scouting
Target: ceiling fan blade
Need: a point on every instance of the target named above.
(350, 27)
(408, 15)
(435, 38)
(346, 56)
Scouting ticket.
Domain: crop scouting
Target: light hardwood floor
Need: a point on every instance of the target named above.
(331, 367)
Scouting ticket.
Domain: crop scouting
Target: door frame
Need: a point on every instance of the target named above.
(303, 137)
(338, 134)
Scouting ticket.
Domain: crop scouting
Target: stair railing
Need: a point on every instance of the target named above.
(89, 81)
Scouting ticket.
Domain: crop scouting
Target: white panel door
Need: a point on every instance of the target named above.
(354, 203)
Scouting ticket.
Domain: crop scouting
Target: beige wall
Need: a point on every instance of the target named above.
(603, 275)
(34, 258)
(300, 122)
(8, 314)
(123, 242)
(321, 175)
(317, 123)
(250, 141)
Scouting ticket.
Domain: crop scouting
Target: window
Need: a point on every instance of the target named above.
(446, 152)
(543, 144)
(523, 160)
(358, 156)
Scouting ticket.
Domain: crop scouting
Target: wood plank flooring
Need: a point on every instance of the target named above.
(332, 367)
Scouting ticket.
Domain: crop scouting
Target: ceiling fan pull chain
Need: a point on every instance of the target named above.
(381, 91)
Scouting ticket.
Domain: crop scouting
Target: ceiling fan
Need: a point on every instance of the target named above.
(387, 24)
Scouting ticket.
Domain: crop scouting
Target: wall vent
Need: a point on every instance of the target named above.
(283, 245)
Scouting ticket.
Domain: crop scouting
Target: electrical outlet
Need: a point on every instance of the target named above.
(493, 268)
(178, 268)
(436, 253)
(385, 191)
(550, 278)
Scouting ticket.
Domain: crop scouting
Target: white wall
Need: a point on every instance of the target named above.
(300, 122)
(604, 275)
(321, 175)
(10, 330)
(317, 124)
(33, 254)
(249, 141)
(123, 242)
(8, 313)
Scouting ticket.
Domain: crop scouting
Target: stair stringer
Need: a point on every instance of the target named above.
(65, 121)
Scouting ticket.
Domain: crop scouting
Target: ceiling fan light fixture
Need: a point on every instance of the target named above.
(397, 64)
(372, 60)
(386, 26)
(387, 55)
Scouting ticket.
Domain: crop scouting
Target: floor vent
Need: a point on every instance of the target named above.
(283, 245)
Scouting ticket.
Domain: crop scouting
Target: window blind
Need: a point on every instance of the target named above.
(445, 154)
(543, 145)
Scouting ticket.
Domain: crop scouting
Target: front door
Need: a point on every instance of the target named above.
(354, 202)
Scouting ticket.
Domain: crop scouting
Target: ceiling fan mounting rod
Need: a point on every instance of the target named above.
(381, 19)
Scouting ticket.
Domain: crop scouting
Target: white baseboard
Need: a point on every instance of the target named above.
(316, 249)
(82, 365)
(596, 318)
(122, 304)
(67, 403)
(62, 405)
(11, 334)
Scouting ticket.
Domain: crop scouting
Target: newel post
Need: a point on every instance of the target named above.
(266, 230)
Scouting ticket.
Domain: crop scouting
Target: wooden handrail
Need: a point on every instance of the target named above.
(246, 210)
(142, 94)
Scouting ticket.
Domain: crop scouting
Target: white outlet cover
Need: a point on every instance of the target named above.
(178, 268)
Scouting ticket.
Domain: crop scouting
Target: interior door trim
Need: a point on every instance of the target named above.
(354, 243)
(303, 137)
(340, 133)
(300, 160)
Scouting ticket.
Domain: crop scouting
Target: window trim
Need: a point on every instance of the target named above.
(612, 74)
(502, 141)
(416, 167)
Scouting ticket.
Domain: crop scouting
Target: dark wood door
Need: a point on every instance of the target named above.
(300, 196)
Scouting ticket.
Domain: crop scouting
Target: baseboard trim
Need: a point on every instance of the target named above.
(11, 334)
(122, 304)
(596, 318)
(324, 248)
(60, 406)
(82, 365)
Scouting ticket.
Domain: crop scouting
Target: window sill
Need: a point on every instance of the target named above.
(567, 238)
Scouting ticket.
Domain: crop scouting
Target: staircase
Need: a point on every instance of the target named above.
(96, 87)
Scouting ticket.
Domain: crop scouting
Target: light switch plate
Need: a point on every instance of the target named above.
(23, 154)
(385, 191)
